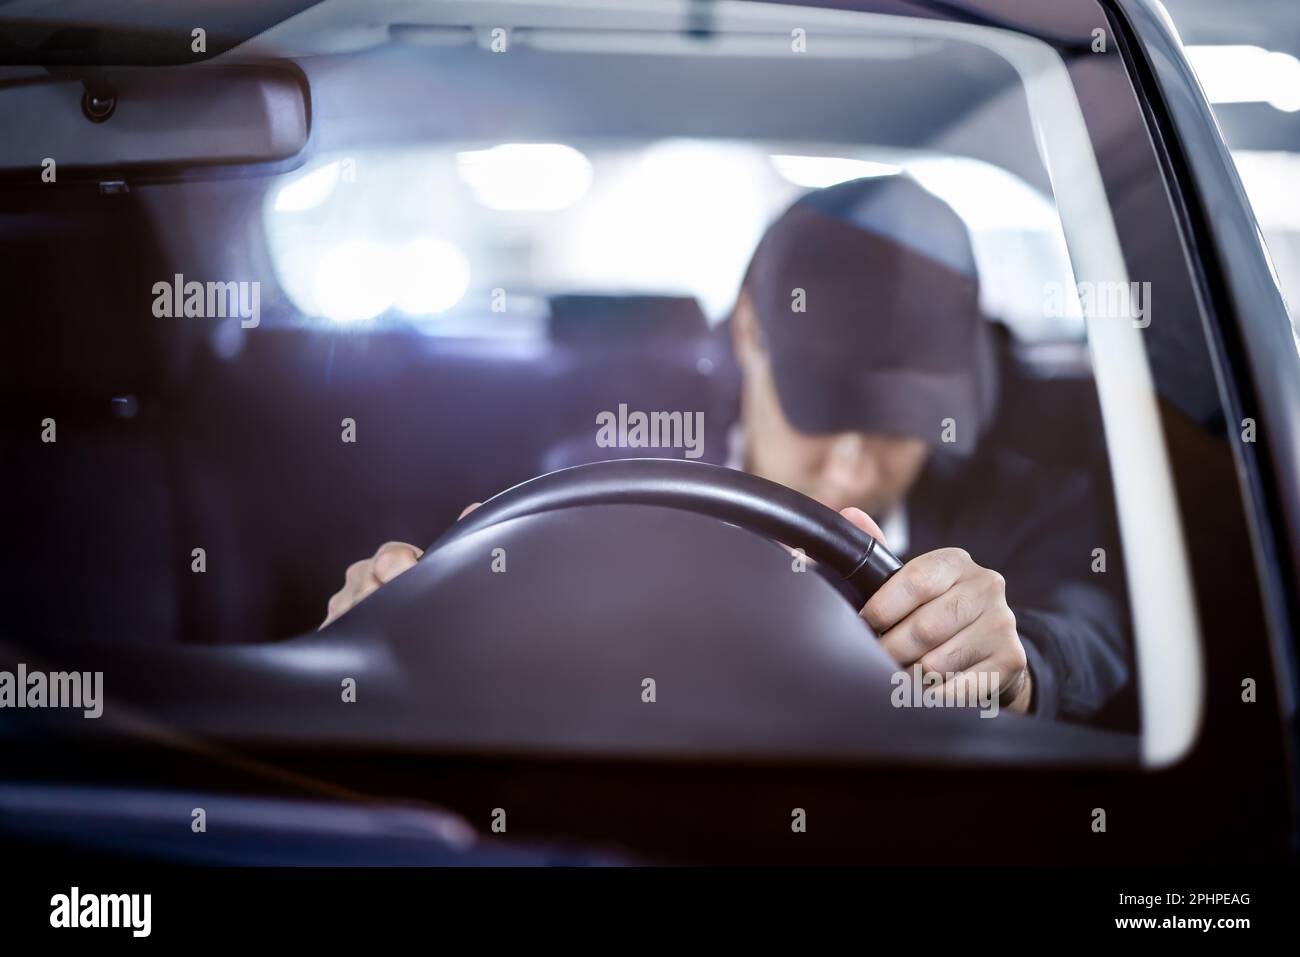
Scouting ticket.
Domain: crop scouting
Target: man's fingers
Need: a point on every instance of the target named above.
(1011, 678)
(924, 578)
(392, 559)
(981, 648)
(864, 522)
(969, 682)
(362, 578)
(338, 605)
(935, 625)
(973, 644)
(356, 573)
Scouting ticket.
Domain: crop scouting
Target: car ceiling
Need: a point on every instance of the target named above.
(454, 93)
(420, 71)
(402, 73)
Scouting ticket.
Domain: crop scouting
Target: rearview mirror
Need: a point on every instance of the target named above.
(154, 121)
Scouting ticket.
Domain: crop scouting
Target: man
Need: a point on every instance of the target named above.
(868, 381)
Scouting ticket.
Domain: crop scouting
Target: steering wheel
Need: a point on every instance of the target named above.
(729, 495)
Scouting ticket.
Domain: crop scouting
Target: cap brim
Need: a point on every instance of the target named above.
(906, 402)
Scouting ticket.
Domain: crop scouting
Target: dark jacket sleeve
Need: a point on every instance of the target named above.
(1040, 525)
(1071, 614)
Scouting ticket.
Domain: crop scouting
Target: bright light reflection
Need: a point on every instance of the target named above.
(432, 276)
(985, 196)
(354, 281)
(817, 172)
(681, 217)
(526, 177)
(309, 191)
(1247, 74)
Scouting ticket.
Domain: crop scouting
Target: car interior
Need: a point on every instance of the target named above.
(207, 432)
(589, 183)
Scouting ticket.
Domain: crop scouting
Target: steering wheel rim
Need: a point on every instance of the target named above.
(729, 495)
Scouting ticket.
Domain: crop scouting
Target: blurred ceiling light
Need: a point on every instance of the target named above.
(353, 281)
(1247, 74)
(307, 191)
(432, 275)
(816, 172)
(526, 177)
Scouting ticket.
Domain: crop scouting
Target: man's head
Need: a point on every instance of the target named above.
(858, 333)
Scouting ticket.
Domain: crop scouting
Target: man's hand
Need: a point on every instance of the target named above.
(951, 615)
(365, 576)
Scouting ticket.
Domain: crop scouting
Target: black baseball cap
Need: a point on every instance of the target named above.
(867, 300)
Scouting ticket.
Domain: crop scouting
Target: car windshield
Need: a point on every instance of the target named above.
(866, 257)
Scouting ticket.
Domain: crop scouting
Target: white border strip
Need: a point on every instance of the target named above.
(1171, 681)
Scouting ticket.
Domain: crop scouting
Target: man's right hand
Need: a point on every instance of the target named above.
(365, 576)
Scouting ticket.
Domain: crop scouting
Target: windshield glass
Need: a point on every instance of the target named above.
(867, 258)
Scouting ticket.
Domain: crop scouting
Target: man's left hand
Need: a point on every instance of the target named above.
(948, 613)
